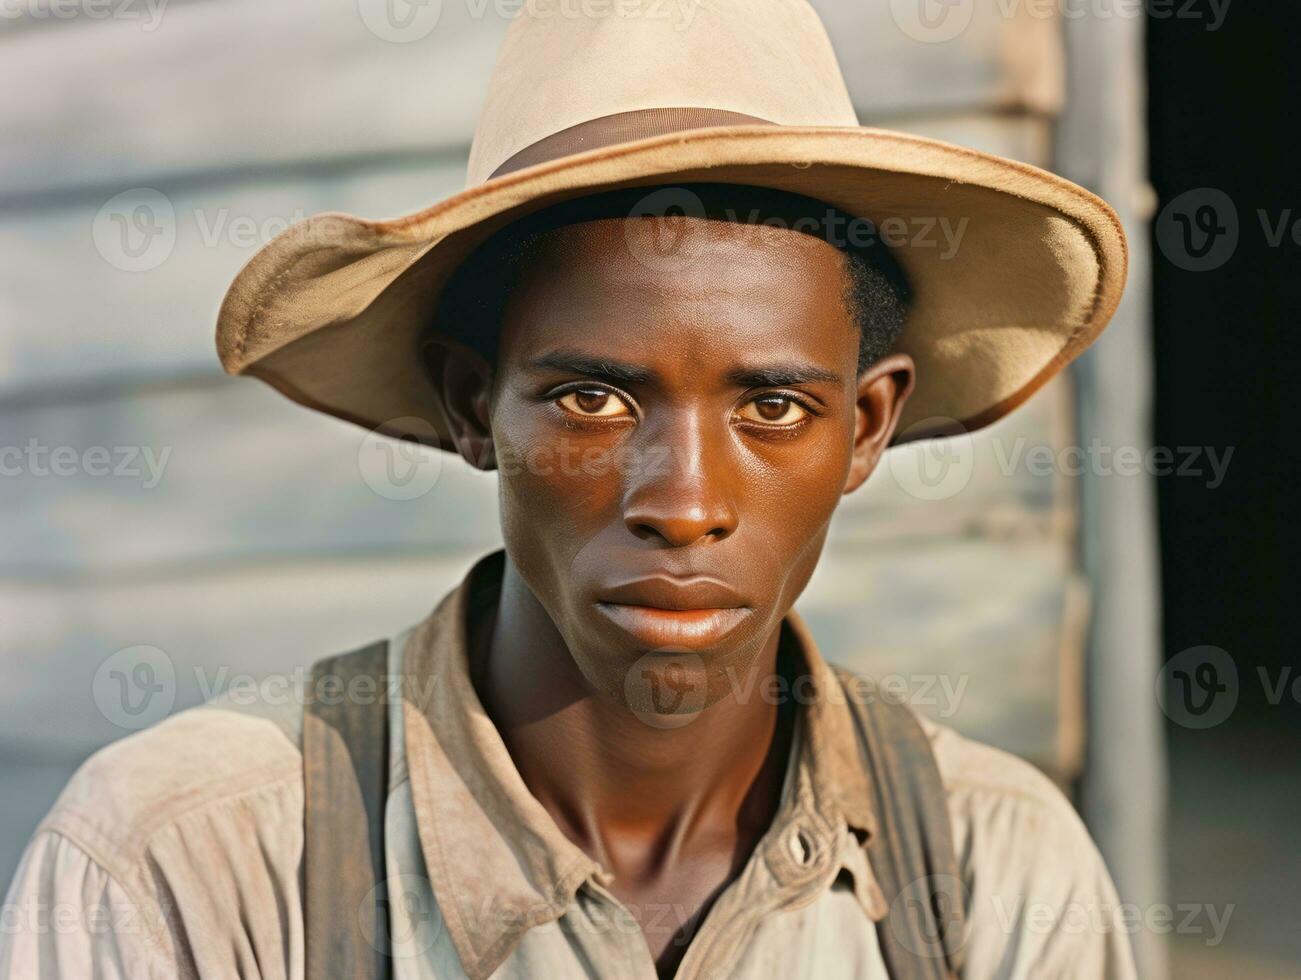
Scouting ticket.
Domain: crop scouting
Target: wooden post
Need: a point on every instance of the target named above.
(1101, 144)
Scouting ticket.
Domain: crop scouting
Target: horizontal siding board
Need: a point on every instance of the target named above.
(245, 475)
(230, 471)
(239, 83)
(248, 83)
(982, 635)
(212, 627)
(978, 54)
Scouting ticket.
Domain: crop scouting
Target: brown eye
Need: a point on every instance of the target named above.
(773, 410)
(593, 402)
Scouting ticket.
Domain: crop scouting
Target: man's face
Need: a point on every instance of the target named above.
(673, 436)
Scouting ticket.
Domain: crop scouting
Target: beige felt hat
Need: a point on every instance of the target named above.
(331, 312)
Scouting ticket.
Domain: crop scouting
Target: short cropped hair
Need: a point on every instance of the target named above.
(876, 293)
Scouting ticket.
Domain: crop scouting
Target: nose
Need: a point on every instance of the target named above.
(680, 492)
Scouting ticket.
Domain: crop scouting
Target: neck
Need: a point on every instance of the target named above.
(602, 772)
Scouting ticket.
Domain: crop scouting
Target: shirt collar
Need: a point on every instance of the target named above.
(498, 863)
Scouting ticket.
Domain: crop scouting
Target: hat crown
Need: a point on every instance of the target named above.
(566, 62)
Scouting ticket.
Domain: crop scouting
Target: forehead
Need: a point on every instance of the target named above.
(680, 286)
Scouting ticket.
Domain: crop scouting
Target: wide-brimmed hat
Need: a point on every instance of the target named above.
(1029, 269)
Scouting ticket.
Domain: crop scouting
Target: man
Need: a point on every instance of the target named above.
(615, 750)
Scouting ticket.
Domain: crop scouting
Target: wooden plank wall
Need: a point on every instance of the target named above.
(246, 535)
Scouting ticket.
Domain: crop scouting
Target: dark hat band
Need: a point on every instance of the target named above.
(623, 127)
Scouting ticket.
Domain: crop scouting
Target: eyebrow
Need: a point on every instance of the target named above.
(781, 375)
(618, 372)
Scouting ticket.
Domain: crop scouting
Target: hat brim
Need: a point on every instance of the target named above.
(331, 311)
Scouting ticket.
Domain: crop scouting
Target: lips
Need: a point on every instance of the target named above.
(662, 611)
(666, 592)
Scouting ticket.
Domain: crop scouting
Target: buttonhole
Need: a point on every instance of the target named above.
(801, 847)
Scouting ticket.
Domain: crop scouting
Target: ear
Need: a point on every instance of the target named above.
(883, 388)
(464, 378)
